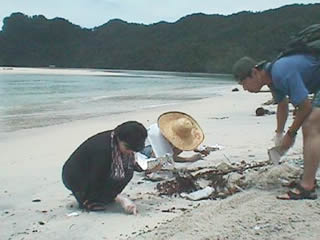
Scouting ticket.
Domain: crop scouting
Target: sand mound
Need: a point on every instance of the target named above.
(273, 176)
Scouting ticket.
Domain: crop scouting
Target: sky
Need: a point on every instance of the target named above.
(93, 13)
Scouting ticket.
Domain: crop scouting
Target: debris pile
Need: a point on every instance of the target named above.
(213, 182)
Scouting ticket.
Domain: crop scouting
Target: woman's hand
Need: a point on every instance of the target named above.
(195, 157)
(154, 169)
(206, 150)
(127, 204)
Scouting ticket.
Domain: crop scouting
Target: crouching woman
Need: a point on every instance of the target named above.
(100, 168)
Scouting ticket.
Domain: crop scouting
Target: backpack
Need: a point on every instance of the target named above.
(305, 41)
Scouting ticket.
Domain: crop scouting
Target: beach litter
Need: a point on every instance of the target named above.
(150, 163)
(225, 179)
(260, 111)
(198, 195)
(73, 214)
(183, 182)
(159, 176)
(211, 148)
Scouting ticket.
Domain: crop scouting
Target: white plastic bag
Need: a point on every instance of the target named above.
(198, 195)
(275, 154)
(150, 163)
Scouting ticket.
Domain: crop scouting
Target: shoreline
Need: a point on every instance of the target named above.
(58, 71)
(89, 71)
(97, 118)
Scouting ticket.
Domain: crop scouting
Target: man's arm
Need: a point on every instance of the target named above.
(303, 110)
(282, 115)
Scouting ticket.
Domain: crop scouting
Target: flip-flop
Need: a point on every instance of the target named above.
(95, 206)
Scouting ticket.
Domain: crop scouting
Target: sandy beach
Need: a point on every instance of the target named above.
(34, 204)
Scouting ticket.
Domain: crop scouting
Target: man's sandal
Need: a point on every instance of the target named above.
(298, 193)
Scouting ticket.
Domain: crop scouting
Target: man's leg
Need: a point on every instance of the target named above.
(311, 148)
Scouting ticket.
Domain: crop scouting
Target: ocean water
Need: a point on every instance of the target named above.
(37, 100)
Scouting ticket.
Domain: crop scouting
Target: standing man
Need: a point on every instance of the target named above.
(291, 78)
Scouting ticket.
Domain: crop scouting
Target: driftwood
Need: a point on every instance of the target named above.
(186, 180)
(240, 168)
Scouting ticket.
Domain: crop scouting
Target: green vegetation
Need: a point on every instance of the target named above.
(195, 43)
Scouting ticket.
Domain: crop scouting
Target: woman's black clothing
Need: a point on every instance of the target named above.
(87, 171)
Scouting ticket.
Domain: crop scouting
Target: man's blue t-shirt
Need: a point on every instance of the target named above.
(295, 76)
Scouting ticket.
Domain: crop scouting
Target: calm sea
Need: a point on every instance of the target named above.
(37, 100)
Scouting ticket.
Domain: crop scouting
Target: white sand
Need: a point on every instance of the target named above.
(31, 162)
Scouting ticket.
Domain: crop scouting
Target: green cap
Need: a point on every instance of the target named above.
(243, 67)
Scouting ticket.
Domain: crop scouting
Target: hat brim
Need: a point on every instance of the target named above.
(165, 122)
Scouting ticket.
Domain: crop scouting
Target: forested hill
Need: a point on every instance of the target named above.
(195, 43)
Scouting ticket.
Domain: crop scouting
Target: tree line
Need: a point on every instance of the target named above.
(194, 43)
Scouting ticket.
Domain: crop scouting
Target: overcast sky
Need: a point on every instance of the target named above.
(92, 13)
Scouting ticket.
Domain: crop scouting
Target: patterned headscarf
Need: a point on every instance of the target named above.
(120, 162)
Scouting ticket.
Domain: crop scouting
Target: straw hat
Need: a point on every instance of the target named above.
(181, 130)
